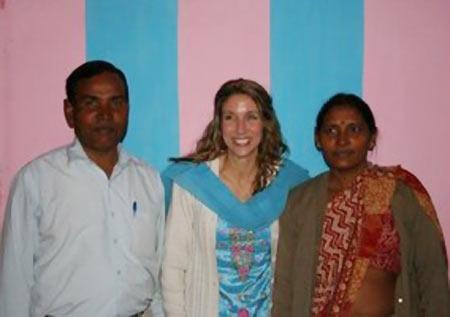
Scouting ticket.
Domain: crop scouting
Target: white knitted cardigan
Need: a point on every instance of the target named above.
(189, 270)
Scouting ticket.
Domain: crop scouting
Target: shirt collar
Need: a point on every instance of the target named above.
(76, 152)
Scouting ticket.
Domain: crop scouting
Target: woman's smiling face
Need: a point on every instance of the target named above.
(242, 126)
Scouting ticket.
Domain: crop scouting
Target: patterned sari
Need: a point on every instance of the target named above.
(358, 231)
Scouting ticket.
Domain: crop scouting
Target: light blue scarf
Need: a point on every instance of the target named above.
(259, 211)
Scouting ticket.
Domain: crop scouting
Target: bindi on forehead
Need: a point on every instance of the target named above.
(343, 113)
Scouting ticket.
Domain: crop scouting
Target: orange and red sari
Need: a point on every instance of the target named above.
(359, 231)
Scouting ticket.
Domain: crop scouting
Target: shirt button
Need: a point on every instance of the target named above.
(400, 300)
(113, 214)
(119, 272)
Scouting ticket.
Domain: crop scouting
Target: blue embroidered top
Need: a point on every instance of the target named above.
(245, 273)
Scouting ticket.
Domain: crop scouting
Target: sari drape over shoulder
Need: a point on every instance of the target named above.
(359, 231)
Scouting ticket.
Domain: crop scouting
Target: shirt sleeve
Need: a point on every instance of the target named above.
(178, 252)
(430, 262)
(18, 243)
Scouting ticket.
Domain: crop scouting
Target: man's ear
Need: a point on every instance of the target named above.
(317, 143)
(68, 113)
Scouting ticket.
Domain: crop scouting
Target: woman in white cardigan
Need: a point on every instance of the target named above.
(226, 198)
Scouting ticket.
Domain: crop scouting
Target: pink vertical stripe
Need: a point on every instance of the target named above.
(3, 119)
(407, 80)
(218, 41)
(42, 42)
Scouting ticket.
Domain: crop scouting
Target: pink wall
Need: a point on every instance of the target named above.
(42, 41)
(407, 81)
(217, 41)
(3, 119)
(406, 76)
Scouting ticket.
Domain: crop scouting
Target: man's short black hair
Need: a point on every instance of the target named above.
(88, 70)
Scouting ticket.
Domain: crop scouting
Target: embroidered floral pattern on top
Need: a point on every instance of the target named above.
(243, 313)
(242, 250)
(245, 271)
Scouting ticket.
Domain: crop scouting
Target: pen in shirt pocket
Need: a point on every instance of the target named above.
(135, 208)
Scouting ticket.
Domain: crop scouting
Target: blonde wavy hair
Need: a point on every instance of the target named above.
(272, 147)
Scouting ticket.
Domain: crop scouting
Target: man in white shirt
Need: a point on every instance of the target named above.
(83, 230)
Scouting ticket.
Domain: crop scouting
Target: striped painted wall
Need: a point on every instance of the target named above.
(177, 53)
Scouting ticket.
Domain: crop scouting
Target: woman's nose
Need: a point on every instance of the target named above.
(342, 138)
(241, 126)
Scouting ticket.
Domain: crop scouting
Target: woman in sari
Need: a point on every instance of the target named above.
(359, 239)
(227, 195)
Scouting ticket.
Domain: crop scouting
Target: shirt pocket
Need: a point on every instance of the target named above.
(144, 230)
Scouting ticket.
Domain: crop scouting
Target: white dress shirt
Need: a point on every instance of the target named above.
(76, 243)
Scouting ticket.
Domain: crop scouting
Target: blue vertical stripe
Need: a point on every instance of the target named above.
(140, 37)
(316, 51)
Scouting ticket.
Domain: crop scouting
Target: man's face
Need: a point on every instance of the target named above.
(99, 114)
